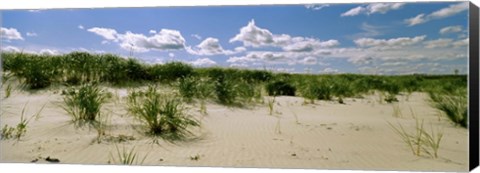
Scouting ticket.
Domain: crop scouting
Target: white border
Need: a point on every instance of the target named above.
(50, 4)
(54, 4)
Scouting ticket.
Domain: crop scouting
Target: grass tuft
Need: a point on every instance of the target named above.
(126, 157)
(164, 115)
(20, 129)
(84, 103)
(453, 104)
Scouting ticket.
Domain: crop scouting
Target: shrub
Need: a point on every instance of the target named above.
(277, 88)
(163, 115)
(84, 104)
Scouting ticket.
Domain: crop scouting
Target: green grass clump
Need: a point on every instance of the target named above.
(163, 115)
(226, 90)
(170, 71)
(271, 104)
(20, 129)
(453, 104)
(277, 88)
(84, 103)
(188, 88)
(126, 157)
(420, 140)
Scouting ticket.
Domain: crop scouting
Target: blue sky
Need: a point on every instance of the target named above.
(371, 38)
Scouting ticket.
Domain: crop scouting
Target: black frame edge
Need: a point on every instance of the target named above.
(473, 88)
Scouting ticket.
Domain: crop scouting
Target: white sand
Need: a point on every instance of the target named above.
(326, 135)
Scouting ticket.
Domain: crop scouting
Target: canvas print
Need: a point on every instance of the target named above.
(364, 86)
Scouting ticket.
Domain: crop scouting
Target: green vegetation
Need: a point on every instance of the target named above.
(453, 104)
(230, 86)
(126, 157)
(21, 128)
(162, 114)
(84, 103)
(420, 140)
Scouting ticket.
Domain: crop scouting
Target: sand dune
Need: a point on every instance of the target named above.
(324, 135)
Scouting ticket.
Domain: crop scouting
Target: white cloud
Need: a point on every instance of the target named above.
(373, 8)
(10, 34)
(451, 29)
(152, 31)
(329, 70)
(81, 27)
(309, 61)
(309, 44)
(439, 14)
(461, 43)
(49, 52)
(165, 39)
(399, 42)
(316, 6)
(361, 60)
(450, 10)
(383, 7)
(107, 33)
(438, 43)
(203, 62)
(254, 36)
(10, 49)
(171, 55)
(44, 51)
(31, 34)
(354, 11)
(209, 46)
(419, 19)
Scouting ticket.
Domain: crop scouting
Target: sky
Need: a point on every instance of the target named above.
(370, 38)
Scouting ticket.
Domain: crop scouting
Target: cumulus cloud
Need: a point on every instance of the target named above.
(373, 8)
(438, 43)
(80, 27)
(253, 36)
(211, 46)
(107, 33)
(439, 14)
(451, 29)
(399, 42)
(316, 6)
(165, 39)
(10, 34)
(203, 62)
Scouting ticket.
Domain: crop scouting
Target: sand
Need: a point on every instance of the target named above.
(324, 135)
